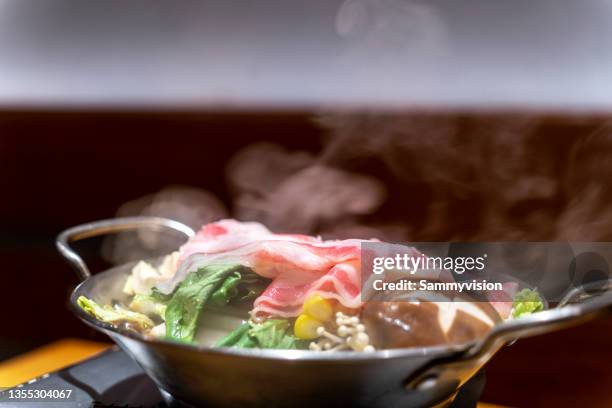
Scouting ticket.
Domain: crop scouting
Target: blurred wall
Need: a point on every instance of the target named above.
(59, 169)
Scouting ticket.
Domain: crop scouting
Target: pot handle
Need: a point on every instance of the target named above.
(110, 226)
(581, 304)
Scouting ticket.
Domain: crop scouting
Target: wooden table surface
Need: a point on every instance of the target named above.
(59, 354)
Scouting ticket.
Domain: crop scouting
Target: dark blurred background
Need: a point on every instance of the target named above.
(400, 177)
(62, 169)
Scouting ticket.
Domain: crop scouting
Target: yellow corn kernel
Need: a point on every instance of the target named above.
(319, 308)
(305, 327)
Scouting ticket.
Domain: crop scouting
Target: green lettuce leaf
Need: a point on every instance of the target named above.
(274, 334)
(271, 334)
(526, 301)
(115, 315)
(227, 291)
(191, 295)
(240, 335)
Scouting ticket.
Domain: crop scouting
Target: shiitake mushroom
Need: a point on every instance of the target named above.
(398, 324)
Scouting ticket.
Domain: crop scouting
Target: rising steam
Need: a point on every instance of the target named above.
(412, 178)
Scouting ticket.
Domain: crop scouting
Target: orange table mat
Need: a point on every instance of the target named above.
(50, 357)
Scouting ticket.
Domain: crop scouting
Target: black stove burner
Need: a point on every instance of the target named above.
(112, 379)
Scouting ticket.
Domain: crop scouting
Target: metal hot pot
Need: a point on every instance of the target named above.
(203, 376)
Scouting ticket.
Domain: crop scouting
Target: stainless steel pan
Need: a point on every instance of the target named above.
(202, 376)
